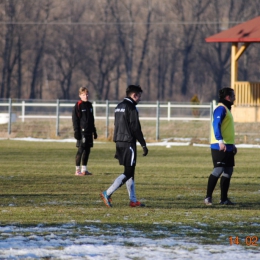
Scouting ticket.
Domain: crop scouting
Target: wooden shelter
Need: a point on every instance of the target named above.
(247, 93)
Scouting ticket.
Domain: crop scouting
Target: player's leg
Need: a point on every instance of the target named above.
(84, 162)
(218, 159)
(130, 185)
(125, 155)
(106, 195)
(78, 158)
(224, 186)
(130, 162)
(212, 181)
(118, 182)
(121, 179)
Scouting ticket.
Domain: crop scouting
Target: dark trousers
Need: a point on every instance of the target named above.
(82, 155)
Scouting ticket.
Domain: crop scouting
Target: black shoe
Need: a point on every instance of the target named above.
(226, 202)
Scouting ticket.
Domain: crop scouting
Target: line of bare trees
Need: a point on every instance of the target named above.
(49, 48)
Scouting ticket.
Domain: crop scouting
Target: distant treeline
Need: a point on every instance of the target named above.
(49, 48)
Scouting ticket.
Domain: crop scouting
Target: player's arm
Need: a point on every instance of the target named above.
(218, 117)
(137, 130)
(76, 122)
(94, 131)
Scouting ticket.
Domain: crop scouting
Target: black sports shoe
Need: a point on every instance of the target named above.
(226, 202)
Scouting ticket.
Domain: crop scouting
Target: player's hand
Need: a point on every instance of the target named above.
(234, 150)
(77, 135)
(222, 147)
(95, 135)
(145, 151)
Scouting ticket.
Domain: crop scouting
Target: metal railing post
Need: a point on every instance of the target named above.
(157, 120)
(10, 116)
(107, 118)
(58, 118)
(169, 111)
(94, 108)
(23, 110)
(212, 107)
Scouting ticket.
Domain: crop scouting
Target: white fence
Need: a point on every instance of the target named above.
(104, 110)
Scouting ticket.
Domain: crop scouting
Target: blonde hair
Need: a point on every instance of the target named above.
(83, 90)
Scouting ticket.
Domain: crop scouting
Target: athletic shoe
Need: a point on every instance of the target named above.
(208, 201)
(79, 173)
(86, 173)
(226, 202)
(107, 200)
(136, 204)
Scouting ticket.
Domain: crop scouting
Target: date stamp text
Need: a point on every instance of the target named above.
(249, 241)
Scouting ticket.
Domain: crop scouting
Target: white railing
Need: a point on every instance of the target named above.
(168, 109)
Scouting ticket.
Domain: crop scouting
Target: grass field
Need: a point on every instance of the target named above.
(38, 186)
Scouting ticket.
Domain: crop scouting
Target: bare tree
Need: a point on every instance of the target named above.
(101, 64)
(65, 47)
(42, 13)
(48, 48)
(162, 62)
(127, 32)
(9, 51)
(145, 42)
(189, 10)
(217, 55)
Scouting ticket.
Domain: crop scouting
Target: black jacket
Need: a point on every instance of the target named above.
(127, 124)
(83, 118)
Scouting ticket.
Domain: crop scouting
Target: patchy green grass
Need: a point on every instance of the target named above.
(38, 186)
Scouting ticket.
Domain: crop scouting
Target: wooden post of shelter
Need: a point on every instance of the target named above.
(247, 93)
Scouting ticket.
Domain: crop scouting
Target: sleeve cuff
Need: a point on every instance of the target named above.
(220, 141)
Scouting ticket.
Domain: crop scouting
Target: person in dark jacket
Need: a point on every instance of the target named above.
(126, 132)
(84, 130)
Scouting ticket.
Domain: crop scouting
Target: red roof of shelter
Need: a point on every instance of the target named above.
(245, 32)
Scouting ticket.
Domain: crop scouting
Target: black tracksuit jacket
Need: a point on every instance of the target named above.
(127, 124)
(83, 118)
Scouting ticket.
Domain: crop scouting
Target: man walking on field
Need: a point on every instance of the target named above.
(223, 147)
(127, 131)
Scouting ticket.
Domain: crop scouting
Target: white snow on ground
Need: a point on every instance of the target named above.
(166, 142)
(67, 242)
